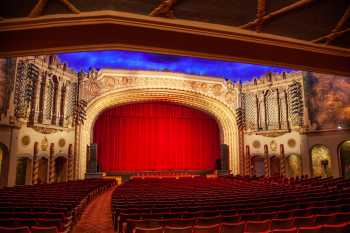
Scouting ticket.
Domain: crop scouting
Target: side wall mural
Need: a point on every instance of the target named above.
(321, 161)
(328, 101)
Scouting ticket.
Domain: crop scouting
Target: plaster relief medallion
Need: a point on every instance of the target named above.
(217, 89)
(291, 143)
(93, 88)
(195, 85)
(273, 146)
(25, 140)
(108, 82)
(204, 87)
(44, 144)
(256, 144)
(61, 142)
(229, 97)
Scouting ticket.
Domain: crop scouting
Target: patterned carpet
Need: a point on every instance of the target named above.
(97, 217)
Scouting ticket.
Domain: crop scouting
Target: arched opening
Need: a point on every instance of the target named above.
(23, 171)
(275, 166)
(4, 165)
(321, 161)
(294, 166)
(61, 169)
(258, 168)
(43, 170)
(344, 154)
(220, 111)
(154, 136)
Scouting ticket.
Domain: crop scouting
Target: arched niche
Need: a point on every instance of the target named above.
(344, 157)
(4, 164)
(61, 169)
(294, 165)
(24, 170)
(275, 166)
(43, 169)
(321, 161)
(258, 167)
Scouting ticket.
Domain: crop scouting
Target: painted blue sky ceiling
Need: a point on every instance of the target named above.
(157, 62)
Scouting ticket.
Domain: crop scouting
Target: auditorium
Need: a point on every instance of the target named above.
(175, 116)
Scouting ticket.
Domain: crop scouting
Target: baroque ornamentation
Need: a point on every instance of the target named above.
(61, 142)
(44, 144)
(99, 83)
(45, 130)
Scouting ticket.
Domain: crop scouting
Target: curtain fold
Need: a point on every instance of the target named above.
(156, 136)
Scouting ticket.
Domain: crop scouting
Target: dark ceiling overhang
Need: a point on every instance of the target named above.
(119, 30)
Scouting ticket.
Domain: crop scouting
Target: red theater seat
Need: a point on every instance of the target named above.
(336, 228)
(207, 229)
(258, 226)
(304, 221)
(36, 229)
(169, 229)
(14, 230)
(148, 230)
(232, 227)
(287, 230)
(313, 229)
(283, 223)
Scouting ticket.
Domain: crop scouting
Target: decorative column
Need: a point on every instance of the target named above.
(279, 110)
(241, 151)
(42, 98)
(70, 162)
(248, 161)
(283, 162)
(62, 105)
(52, 164)
(55, 100)
(266, 161)
(35, 174)
(33, 100)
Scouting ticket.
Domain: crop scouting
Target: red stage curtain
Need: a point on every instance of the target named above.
(156, 136)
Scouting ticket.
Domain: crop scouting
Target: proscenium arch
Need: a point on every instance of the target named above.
(224, 116)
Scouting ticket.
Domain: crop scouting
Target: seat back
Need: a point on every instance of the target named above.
(148, 230)
(304, 221)
(232, 227)
(172, 229)
(336, 228)
(257, 226)
(37, 229)
(207, 229)
(287, 230)
(312, 229)
(282, 223)
(14, 230)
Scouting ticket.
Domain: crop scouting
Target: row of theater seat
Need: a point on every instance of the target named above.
(229, 198)
(47, 207)
(283, 223)
(245, 228)
(26, 229)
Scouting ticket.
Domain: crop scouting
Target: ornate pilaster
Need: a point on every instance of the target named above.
(52, 164)
(34, 101)
(42, 97)
(62, 105)
(35, 164)
(70, 162)
(283, 162)
(266, 161)
(248, 170)
(54, 103)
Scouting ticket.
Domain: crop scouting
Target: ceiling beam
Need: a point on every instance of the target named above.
(106, 30)
(164, 9)
(337, 30)
(41, 4)
(260, 12)
(331, 36)
(279, 12)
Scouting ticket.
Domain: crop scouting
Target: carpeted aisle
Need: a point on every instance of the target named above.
(97, 217)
